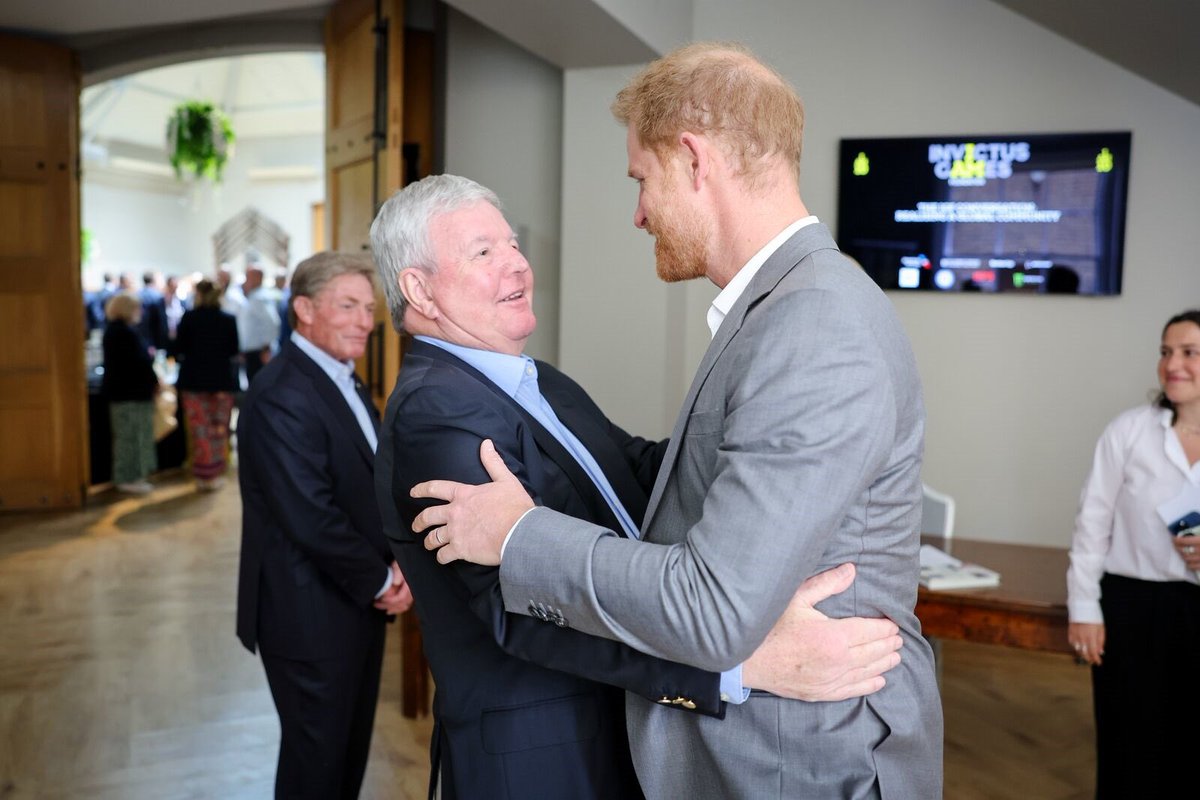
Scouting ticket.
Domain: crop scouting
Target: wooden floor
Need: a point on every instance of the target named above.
(121, 677)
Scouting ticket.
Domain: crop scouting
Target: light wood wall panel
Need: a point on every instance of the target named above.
(353, 180)
(19, 314)
(352, 193)
(23, 224)
(43, 394)
(352, 173)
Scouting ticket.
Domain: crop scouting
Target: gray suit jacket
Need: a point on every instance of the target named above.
(798, 448)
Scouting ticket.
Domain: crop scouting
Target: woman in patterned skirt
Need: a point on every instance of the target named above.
(206, 343)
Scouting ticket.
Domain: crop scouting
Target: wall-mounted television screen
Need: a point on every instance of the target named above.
(1024, 213)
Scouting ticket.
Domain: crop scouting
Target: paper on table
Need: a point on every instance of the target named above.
(940, 570)
(936, 557)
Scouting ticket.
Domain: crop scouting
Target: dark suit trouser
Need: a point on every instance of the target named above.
(1142, 688)
(253, 363)
(326, 713)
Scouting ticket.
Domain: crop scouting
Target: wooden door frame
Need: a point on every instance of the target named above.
(46, 399)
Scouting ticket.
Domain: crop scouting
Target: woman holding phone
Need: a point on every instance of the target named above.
(1132, 589)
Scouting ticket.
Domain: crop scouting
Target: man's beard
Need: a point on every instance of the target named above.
(680, 247)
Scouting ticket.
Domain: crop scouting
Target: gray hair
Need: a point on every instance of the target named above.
(125, 306)
(315, 272)
(400, 232)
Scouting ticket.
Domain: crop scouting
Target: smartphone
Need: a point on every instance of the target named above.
(1184, 525)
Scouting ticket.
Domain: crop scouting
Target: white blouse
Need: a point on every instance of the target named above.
(1138, 466)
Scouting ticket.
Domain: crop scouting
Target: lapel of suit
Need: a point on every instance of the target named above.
(360, 388)
(333, 399)
(545, 440)
(587, 428)
(800, 246)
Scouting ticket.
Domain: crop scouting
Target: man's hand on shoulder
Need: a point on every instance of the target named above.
(808, 656)
(475, 520)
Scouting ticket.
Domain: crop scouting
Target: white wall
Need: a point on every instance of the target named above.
(663, 24)
(622, 329)
(1017, 388)
(154, 225)
(504, 129)
(133, 230)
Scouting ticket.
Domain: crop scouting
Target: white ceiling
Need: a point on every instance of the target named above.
(1156, 39)
(281, 94)
(270, 94)
(66, 18)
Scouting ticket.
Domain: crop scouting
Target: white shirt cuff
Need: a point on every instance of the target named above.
(504, 544)
(386, 585)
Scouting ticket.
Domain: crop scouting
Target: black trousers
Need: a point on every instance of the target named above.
(326, 713)
(1143, 689)
(253, 362)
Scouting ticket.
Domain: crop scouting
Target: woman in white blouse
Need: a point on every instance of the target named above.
(1132, 589)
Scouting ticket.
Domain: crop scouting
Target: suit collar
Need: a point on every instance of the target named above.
(800, 246)
(505, 370)
(435, 353)
(334, 368)
(332, 397)
(567, 413)
(736, 287)
(592, 429)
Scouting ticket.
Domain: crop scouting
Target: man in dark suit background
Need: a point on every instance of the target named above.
(316, 579)
(523, 709)
(94, 302)
(153, 325)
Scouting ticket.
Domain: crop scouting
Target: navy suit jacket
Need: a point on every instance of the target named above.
(153, 325)
(313, 551)
(523, 708)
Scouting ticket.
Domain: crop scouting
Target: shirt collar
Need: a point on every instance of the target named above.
(502, 369)
(737, 285)
(338, 371)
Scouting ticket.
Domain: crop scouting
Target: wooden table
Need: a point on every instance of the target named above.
(1028, 609)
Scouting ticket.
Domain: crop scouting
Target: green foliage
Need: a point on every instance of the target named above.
(86, 245)
(199, 140)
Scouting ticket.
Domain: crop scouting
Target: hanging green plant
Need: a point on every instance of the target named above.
(199, 140)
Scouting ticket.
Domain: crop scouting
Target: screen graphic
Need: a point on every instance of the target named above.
(1025, 213)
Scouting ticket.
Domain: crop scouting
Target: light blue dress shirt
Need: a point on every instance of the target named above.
(517, 377)
(342, 375)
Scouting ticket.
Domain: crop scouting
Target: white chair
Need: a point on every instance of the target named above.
(937, 513)
(937, 519)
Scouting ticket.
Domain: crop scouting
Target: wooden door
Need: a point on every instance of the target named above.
(43, 392)
(364, 57)
(318, 226)
(364, 115)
